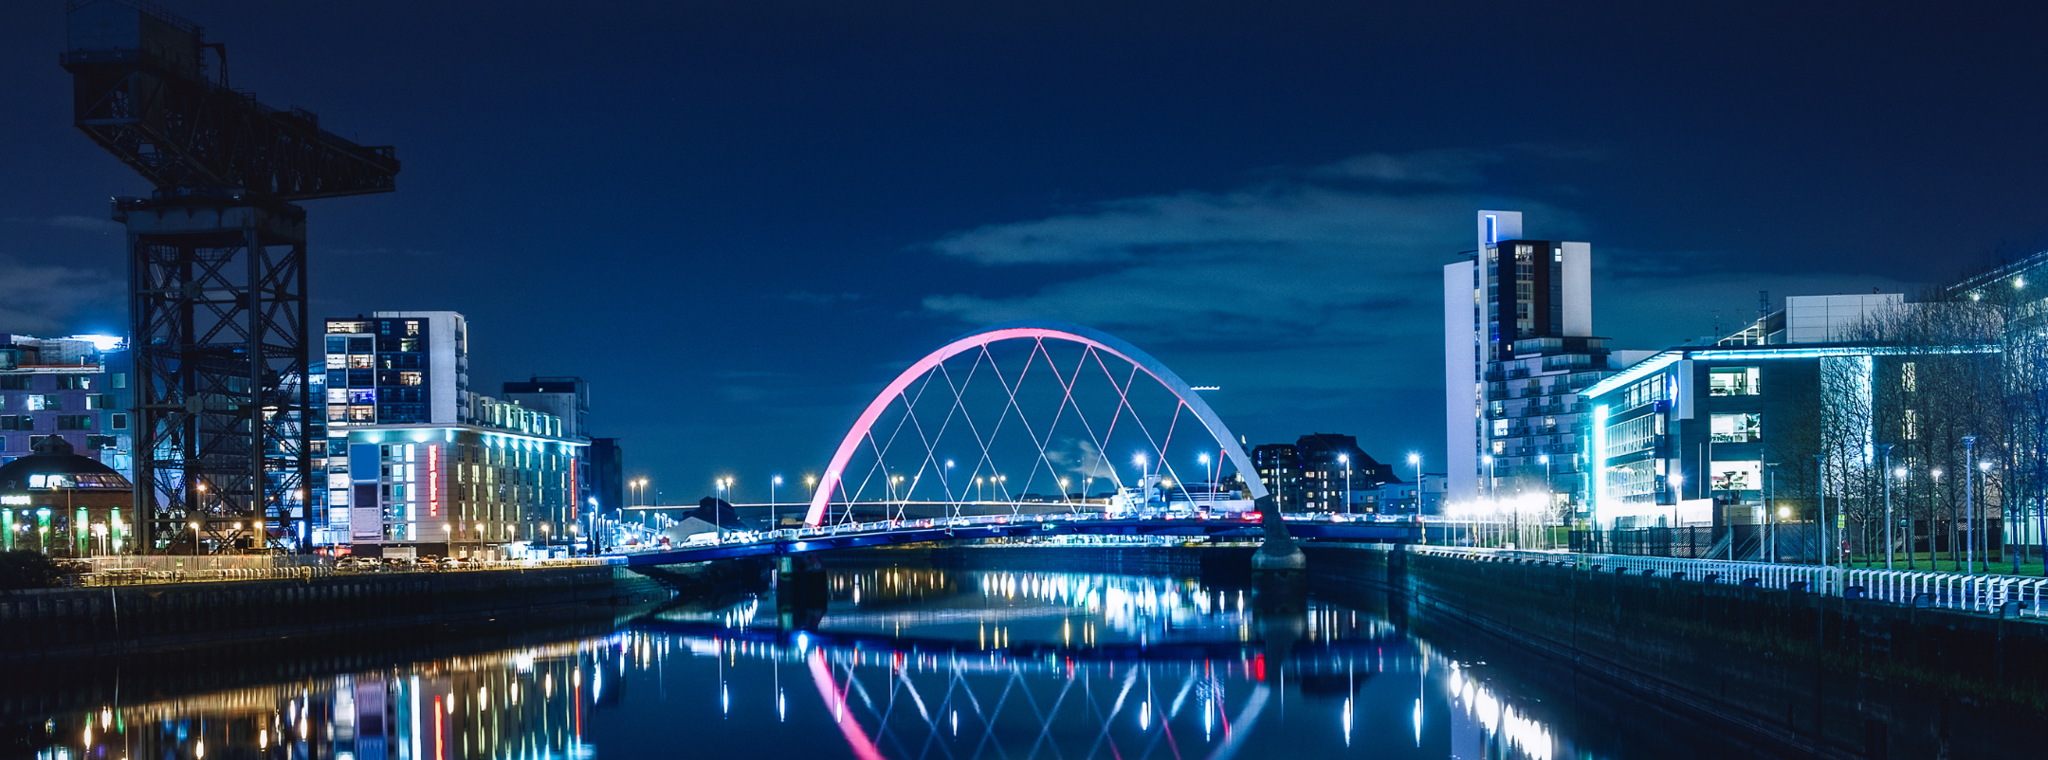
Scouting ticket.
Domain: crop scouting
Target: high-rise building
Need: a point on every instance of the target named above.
(417, 464)
(1518, 346)
(1279, 466)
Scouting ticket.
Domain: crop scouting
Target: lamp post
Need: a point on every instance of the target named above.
(946, 483)
(1888, 537)
(718, 515)
(1934, 478)
(1969, 506)
(774, 513)
(1985, 534)
(1549, 498)
(1820, 493)
(1346, 460)
(1488, 461)
(195, 536)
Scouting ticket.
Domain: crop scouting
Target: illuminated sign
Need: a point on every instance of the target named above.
(16, 500)
(434, 480)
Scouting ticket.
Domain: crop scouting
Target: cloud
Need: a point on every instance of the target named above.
(38, 299)
(1434, 167)
(70, 222)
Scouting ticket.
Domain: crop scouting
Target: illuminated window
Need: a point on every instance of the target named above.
(362, 414)
(337, 361)
(1909, 428)
(1909, 378)
(1742, 427)
(344, 327)
(74, 383)
(1733, 381)
(412, 327)
(362, 361)
(43, 403)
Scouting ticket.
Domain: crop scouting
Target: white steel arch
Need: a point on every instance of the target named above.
(1038, 330)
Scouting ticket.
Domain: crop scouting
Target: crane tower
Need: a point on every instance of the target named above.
(217, 274)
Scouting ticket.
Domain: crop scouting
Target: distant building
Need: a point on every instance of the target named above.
(72, 388)
(564, 397)
(1326, 461)
(608, 474)
(1279, 466)
(1399, 498)
(417, 464)
(1518, 346)
(63, 504)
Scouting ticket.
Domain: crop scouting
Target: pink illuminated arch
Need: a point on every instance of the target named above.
(1036, 330)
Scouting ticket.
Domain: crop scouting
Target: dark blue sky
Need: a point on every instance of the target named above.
(738, 219)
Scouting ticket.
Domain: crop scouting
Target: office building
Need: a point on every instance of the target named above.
(417, 464)
(1698, 436)
(1518, 347)
(71, 388)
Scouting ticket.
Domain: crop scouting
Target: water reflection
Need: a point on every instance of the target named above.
(899, 663)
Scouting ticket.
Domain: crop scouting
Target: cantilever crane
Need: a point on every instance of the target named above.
(222, 421)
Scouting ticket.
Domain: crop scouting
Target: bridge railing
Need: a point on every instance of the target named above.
(854, 528)
(1951, 591)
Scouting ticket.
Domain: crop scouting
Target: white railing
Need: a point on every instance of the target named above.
(1951, 591)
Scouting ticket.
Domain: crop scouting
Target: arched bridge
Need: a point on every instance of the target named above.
(1026, 430)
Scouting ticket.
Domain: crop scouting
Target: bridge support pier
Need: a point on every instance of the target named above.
(1278, 555)
(801, 592)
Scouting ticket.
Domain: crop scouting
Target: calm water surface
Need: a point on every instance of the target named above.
(920, 663)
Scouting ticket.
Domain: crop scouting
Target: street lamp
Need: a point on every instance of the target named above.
(774, 513)
(195, 533)
(1346, 460)
(1415, 461)
(1888, 522)
(1969, 507)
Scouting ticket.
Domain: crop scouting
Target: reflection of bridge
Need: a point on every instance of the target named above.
(882, 533)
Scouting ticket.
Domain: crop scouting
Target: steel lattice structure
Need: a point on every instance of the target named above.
(217, 270)
(1038, 402)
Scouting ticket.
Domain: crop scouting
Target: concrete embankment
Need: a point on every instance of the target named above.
(121, 620)
(1822, 676)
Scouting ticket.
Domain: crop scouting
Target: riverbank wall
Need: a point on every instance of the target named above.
(70, 623)
(1820, 676)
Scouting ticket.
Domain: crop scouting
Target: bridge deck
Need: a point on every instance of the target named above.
(856, 535)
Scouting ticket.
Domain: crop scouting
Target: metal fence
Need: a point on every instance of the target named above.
(135, 570)
(1950, 591)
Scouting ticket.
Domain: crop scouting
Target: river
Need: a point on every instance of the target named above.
(916, 662)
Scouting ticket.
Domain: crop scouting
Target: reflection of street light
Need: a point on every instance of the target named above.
(1969, 508)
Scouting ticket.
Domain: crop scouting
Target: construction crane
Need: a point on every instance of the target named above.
(222, 420)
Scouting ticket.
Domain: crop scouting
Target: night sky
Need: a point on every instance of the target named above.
(740, 219)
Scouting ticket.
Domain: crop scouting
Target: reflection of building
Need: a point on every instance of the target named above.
(1518, 346)
(74, 388)
(535, 702)
(61, 503)
(423, 466)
